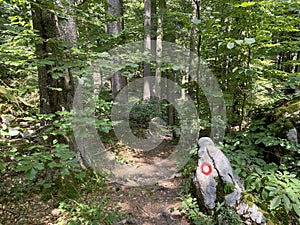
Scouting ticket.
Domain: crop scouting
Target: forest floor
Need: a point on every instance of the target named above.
(155, 203)
(150, 204)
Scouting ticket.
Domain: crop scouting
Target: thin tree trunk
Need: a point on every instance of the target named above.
(159, 42)
(118, 82)
(148, 87)
(171, 98)
(198, 10)
(192, 49)
(297, 67)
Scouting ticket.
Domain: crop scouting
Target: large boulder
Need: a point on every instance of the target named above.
(214, 182)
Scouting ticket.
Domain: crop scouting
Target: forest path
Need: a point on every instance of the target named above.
(147, 204)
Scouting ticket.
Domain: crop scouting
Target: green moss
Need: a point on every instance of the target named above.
(249, 199)
(288, 108)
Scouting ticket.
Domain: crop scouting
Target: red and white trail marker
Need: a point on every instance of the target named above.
(206, 168)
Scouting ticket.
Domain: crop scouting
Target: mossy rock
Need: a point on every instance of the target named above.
(291, 108)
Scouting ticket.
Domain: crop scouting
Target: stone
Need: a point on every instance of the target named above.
(251, 213)
(293, 135)
(213, 174)
(213, 165)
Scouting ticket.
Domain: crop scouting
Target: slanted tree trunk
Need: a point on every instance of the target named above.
(115, 10)
(58, 34)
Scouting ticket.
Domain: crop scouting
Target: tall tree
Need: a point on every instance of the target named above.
(159, 43)
(148, 86)
(192, 46)
(58, 34)
(115, 25)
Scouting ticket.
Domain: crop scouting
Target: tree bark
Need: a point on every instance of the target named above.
(148, 86)
(171, 98)
(118, 82)
(192, 51)
(58, 34)
(297, 67)
(159, 42)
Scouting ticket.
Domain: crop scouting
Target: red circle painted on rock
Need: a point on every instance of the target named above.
(206, 168)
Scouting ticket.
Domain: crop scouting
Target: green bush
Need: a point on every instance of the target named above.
(40, 161)
(276, 188)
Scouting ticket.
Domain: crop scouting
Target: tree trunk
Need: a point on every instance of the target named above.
(297, 67)
(159, 42)
(148, 86)
(198, 10)
(192, 51)
(58, 34)
(118, 82)
(171, 98)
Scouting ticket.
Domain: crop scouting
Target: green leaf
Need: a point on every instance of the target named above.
(57, 75)
(195, 21)
(24, 166)
(287, 203)
(133, 65)
(275, 202)
(38, 166)
(46, 62)
(244, 4)
(249, 41)
(239, 42)
(249, 72)
(31, 174)
(54, 165)
(65, 171)
(270, 188)
(264, 194)
(45, 137)
(258, 170)
(292, 196)
(2, 166)
(230, 45)
(176, 68)
(296, 209)
(103, 54)
(127, 74)
(28, 118)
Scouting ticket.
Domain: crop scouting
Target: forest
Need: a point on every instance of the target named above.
(102, 104)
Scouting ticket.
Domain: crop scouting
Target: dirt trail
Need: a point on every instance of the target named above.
(149, 204)
(155, 204)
